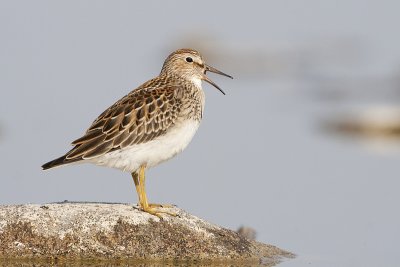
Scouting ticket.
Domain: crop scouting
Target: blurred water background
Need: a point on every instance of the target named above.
(304, 148)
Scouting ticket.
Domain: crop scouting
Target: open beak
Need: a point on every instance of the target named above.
(211, 69)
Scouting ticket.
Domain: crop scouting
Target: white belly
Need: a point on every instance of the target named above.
(152, 152)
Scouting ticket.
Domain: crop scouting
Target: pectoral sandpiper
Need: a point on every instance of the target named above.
(151, 124)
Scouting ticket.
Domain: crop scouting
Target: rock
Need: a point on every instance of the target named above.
(101, 231)
(378, 122)
(247, 232)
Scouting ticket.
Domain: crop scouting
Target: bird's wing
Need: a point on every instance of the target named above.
(140, 116)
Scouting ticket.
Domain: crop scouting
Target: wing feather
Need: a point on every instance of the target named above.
(140, 116)
(121, 138)
(86, 147)
(100, 149)
(88, 136)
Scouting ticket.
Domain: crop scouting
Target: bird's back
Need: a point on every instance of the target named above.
(153, 110)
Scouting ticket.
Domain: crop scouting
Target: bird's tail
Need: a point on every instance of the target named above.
(58, 162)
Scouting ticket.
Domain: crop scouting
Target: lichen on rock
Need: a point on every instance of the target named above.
(82, 231)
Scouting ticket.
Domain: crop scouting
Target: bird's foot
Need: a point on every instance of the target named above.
(156, 211)
(155, 205)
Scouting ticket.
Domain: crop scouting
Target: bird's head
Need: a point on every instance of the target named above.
(189, 64)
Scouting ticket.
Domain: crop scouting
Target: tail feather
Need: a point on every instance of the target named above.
(58, 162)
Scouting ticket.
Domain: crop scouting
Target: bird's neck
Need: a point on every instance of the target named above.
(196, 81)
(193, 80)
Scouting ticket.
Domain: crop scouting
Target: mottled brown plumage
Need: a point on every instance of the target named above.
(138, 117)
(149, 125)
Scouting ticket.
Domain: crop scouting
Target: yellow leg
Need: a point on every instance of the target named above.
(142, 181)
(135, 177)
(144, 204)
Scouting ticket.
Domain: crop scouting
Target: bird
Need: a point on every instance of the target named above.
(149, 125)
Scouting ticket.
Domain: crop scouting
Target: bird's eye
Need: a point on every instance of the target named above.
(189, 59)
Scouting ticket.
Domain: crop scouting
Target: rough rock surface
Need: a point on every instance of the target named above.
(100, 231)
